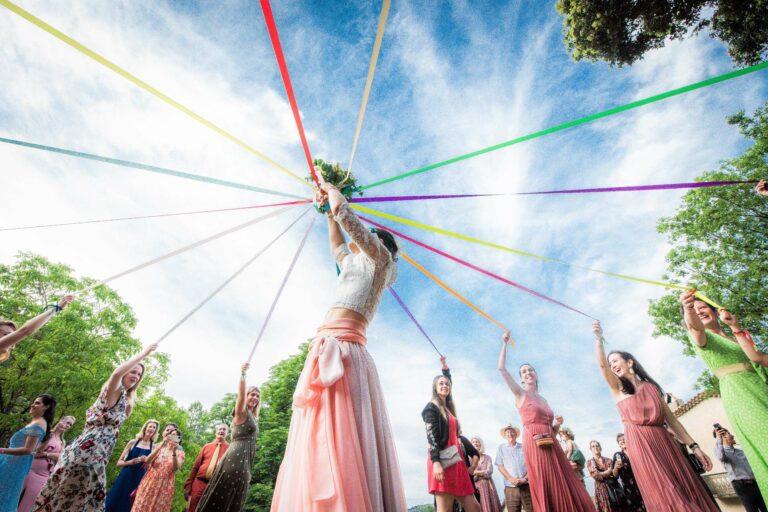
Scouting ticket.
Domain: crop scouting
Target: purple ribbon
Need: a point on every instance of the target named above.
(410, 315)
(634, 188)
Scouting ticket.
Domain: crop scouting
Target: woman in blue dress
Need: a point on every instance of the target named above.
(132, 461)
(16, 460)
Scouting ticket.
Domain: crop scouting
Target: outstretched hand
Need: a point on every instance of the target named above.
(762, 188)
(66, 300)
(597, 329)
(728, 319)
(244, 367)
(151, 348)
(687, 298)
(506, 337)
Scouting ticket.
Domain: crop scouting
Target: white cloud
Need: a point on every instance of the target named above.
(431, 100)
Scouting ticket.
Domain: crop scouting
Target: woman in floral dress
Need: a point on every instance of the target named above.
(601, 470)
(155, 493)
(483, 475)
(79, 480)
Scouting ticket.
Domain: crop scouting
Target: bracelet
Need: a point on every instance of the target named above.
(746, 334)
(693, 446)
(55, 307)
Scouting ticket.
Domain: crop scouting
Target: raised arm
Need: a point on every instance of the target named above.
(32, 325)
(744, 338)
(682, 434)
(115, 380)
(513, 385)
(602, 361)
(240, 404)
(692, 321)
(762, 188)
(336, 241)
(154, 454)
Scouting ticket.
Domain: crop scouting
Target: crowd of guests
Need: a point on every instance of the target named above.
(340, 454)
(40, 472)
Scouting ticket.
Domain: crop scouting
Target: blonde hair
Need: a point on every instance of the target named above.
(143, 430)
(482, 444)
(258, 406)
(130, 394)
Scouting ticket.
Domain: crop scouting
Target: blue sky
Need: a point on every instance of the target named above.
(452, 77)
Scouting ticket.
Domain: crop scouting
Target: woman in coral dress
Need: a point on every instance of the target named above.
(46, 456)
(340, 455)
(554, 485)
(483, 475)
(742, 373)
(665, 478)
(155, 492)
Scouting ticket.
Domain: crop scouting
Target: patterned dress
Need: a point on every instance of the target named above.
(155, 493)
(634, 501)
(79, 479)
(745, 399)
(14, 468)
(228, 487)
(601, 487)
(489, 497)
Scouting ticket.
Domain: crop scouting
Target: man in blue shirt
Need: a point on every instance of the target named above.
(739, 472)
(511, 464)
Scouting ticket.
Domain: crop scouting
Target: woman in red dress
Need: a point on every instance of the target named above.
(665, 478)
(554, 485)
(447, 475)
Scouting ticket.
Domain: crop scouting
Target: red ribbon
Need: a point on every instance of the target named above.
(275, 38)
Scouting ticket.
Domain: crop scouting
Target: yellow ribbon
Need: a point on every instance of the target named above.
(455, 293)
(144, 85)
(371, 70)
(473, 240)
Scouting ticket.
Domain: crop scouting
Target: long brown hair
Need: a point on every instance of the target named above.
(626, 385)
(449, 405)
(130, 394)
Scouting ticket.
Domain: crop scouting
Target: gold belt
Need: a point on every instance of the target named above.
(733, 368)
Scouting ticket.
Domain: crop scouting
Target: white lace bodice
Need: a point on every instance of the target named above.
(364, 275)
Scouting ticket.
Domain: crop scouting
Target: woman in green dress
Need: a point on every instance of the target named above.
(231, 479)
(741, 369)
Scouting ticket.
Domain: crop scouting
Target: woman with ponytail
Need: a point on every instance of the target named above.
(665, 478)
(79, 480)
(16, 460)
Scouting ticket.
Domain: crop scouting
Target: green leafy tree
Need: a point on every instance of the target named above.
(621, 31)
(719, 240)
(73, 355)
(275, 418)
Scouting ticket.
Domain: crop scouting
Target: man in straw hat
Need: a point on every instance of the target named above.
(511, 464)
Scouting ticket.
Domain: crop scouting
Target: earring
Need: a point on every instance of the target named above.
(631, 370)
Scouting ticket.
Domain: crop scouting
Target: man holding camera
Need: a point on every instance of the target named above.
(739, 472)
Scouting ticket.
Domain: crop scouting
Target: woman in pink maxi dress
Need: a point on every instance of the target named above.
(553, 483)
(665, 478)
(340, 455)
(489, 496)
(46, 456)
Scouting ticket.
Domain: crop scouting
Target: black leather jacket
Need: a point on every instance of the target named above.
(436, 426)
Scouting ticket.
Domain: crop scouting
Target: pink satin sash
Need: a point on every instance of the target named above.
(326, 453)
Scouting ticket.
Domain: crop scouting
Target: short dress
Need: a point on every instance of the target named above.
(456, 481)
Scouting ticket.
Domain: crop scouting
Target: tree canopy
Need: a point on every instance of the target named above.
(620, 32)
(719, 240)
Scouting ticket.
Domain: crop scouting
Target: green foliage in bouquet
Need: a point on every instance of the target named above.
(334, 174)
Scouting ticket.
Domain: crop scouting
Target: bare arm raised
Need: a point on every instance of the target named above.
(602, 361)
(743, 338)
(692, 321)
(513, 386)
(31, 326)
